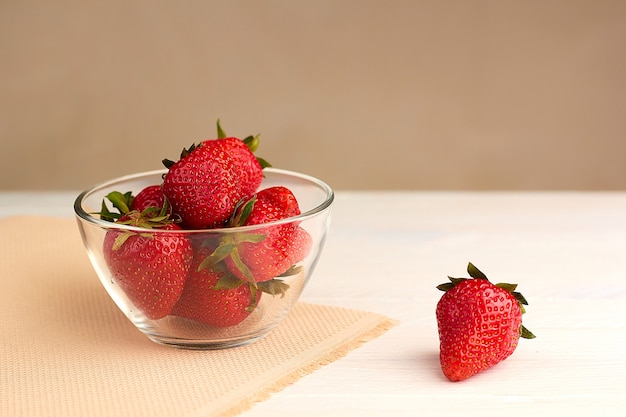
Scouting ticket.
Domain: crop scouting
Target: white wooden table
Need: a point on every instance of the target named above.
(387, 251)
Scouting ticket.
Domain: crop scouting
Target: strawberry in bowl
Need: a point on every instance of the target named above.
(212, 251)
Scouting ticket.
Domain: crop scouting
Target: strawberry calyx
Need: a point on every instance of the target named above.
(251, 141)
(228, 247)
(242, 212)
(149, 218)
(476, 273)
(229, 243)
(183, 154)
(228, 281)
(120, 201)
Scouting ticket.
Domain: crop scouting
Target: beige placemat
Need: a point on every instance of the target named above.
(65, 349)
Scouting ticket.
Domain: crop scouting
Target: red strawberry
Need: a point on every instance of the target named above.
(210, 179)
(479, 324)
(269, 252)
(203, 187)
(150, 267)
(150, 196)
(242, 151)
(249, 170)
(215, 297)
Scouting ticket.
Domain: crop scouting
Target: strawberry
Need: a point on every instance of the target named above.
(210, 179)
(249, 170)
(266, 253)
(249, 166)
(150, 196)
(214, 297)
(203, 186)
(479, 324)
(150, 266)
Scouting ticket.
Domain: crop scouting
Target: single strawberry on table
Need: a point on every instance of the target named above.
(479, 324)
(150, 266)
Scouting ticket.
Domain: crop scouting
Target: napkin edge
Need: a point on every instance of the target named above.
(338, 352)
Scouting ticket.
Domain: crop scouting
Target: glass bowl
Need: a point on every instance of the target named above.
(198, 330)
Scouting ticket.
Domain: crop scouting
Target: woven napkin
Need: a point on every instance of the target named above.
(66, 350)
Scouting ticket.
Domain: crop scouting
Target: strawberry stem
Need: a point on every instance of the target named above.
(220, 132)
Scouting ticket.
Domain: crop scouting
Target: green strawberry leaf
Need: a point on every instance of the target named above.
(252, 142)
(228, 246)
(219, 254)
(263, 163)
(106, 214)
(525, 333)
(445, 287)
(210, 242)
(254, 299)
(165, 209)
(241, 266)
(274, 287)
(250, 237)
(220, 132)
(186, 151)
(242, 212)
(507, 287)
(227, 282)
(293, 270)
(475, 272)
(183, 154)
(121, 239)
(449, 285)
(120, 201)
(519, 297)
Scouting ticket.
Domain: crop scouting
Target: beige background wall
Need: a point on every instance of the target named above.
(365, 94)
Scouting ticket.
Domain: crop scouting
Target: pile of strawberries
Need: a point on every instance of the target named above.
(214, 278)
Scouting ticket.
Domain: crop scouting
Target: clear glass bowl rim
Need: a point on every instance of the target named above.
(90, 218)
